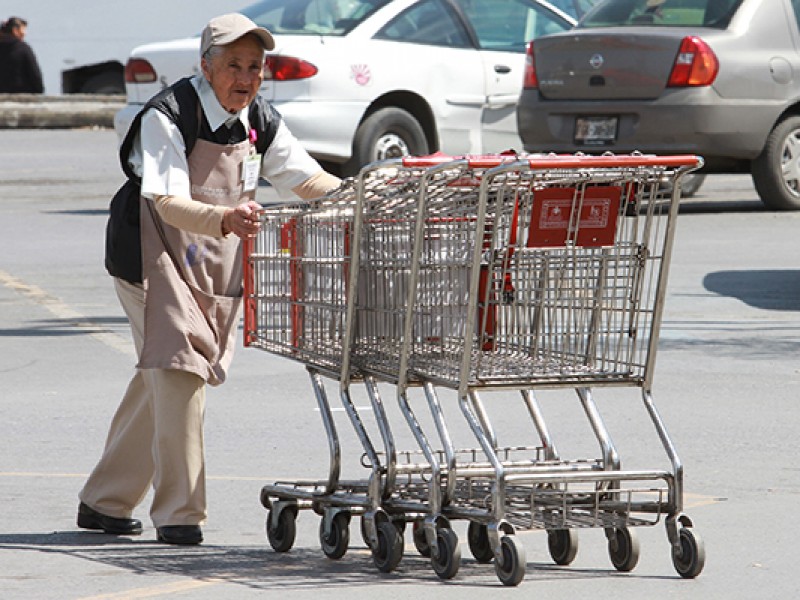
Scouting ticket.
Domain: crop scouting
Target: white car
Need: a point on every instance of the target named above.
(362, 80)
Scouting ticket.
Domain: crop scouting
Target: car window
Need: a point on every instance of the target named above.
(312, 17)
(429, 22)
(509, 24)
(575, 8)
(662, 13)
(796, 10)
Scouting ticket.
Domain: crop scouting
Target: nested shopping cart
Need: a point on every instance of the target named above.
(478, 274)
(296, 275)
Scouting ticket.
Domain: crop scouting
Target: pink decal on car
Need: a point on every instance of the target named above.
(361, 74)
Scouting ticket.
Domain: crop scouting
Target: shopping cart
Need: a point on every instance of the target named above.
(497, 274)
(296, 275)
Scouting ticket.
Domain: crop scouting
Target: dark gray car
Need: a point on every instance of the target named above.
(718, 78)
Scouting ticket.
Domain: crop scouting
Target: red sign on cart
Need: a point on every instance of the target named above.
(553, 223)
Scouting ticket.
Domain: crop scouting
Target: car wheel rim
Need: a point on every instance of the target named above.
(790, 162)
(391, 146)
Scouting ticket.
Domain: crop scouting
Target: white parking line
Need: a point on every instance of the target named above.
(176, 587)
(62, 311)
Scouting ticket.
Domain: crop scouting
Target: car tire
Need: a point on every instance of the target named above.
(387, 133)
(778, 186)
(690, 184)
(332, 167)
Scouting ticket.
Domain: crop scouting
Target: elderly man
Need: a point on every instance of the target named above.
(182, 291)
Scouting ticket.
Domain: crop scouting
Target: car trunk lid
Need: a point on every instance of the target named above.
(615, 66)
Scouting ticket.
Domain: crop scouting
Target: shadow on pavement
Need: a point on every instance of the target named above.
(65, 327)
(95, 212)
(768, 290)
(258, 567)
(698, 206)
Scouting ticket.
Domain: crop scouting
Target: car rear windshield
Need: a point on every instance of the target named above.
(312, 17)
(661, 13)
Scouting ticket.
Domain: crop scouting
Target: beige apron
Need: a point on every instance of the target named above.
(192, 307)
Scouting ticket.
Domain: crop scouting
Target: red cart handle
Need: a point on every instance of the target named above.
(563, 161)
(558, 161)
(481, 161)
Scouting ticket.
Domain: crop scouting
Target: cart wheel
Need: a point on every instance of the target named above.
(364, 532)
(512, 572)
(563, 545)
(281, 536)
(390, 548)
(478, 539)
(623, 548)
(692, 557)
(401, 526)
(335, 544)
(420, 541)
(448, 562)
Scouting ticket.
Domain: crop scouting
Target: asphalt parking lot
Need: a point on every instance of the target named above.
(726, 381)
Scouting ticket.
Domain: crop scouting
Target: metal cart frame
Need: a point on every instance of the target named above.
(578, 304)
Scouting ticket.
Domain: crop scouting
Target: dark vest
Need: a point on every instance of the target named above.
(180, 103)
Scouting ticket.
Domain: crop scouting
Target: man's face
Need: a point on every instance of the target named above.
(236, 73)
(19, 31)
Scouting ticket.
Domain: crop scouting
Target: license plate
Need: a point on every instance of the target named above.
(595, 131)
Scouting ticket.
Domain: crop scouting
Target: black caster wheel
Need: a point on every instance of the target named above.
(563, 545)
(478, 539)
(420, 541)
(335, 544)
(692, 557)
(389, 552)
(623, 548)
(512, 571)
(447, 563)
(281, 535)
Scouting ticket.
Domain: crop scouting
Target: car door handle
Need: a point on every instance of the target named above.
(502, 69)
(498, 101)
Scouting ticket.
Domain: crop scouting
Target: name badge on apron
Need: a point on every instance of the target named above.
(250, 172)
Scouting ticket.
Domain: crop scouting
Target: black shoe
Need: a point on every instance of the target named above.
(88, 518)
(180, 534)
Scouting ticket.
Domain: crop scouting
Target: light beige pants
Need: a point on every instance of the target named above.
(156, 437)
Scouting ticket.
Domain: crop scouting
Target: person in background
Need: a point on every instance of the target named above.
(19, 70)
(184, 307)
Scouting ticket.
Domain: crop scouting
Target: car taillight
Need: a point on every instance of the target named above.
(138, 70)
(695, 65)
(286, 68)
(530, 81)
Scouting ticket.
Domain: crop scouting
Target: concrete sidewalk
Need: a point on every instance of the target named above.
(34, 111)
